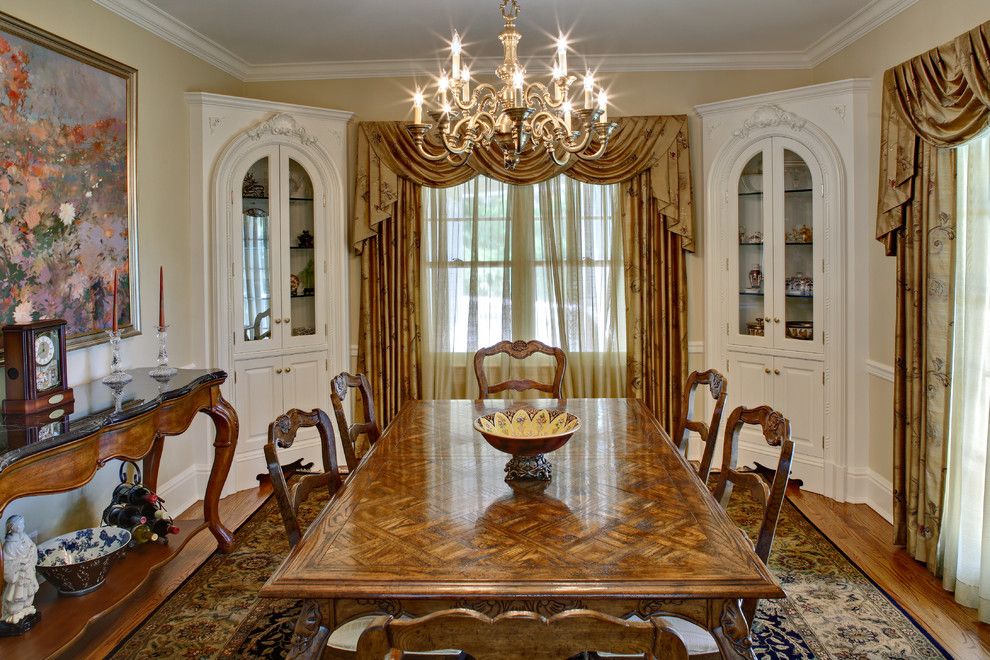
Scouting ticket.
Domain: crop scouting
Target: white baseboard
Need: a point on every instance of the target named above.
(183, 490)
(864, 486)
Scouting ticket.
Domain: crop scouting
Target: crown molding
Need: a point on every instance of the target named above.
(151, 18)
(146, 15)
(872, 16)
(240, 103)
(790, 96)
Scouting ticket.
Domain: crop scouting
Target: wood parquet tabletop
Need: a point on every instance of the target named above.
(428, 514)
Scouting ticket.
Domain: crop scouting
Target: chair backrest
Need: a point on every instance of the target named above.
(718, 386)
(519, 635)
(281, 435)
(777, 432)
(350, 434)
(520, 350)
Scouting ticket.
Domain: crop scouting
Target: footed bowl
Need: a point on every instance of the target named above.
(77, 563)
(527, 433)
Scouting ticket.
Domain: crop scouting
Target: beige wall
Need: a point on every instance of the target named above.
(165, 233)
(924, 25)
(631, 93)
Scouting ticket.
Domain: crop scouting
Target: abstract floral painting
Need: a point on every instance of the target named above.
(66, 172)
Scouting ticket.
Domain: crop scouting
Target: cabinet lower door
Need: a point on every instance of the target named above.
(799, 394)
(750, 385)
(259, 399)
(306, 384)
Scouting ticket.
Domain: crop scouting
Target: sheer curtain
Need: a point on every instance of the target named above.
(523, 262)
(257, 278)
(965, 538)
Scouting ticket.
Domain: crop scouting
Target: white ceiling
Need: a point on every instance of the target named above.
(280, 38)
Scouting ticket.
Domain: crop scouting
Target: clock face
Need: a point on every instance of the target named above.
(46, 361)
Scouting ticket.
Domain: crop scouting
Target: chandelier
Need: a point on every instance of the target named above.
(515, 116)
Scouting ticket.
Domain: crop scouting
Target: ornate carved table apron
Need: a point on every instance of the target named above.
(427, 522)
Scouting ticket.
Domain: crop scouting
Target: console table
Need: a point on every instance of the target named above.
(60, 450)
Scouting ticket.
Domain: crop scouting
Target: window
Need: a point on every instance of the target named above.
(525, 262)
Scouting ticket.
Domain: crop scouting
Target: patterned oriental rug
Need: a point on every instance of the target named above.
(832, 609)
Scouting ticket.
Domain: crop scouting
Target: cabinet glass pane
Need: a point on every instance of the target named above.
(798, 249)
(751, 247)
(257, 253)
(302, 277)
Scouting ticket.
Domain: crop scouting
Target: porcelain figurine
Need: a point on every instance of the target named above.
(20, 556)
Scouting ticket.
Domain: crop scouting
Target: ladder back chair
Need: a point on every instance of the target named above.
(718, 386)
(520, 350)
(281, 435)
(350, 434)
(516, 635)
(777, 432)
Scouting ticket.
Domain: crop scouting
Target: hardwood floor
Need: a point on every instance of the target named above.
(103, 635)
(866, 538)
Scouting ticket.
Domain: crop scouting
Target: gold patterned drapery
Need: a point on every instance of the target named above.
(648, 155)
(931, 103)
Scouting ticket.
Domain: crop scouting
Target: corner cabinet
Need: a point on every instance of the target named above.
(779, 199)
(275, 195)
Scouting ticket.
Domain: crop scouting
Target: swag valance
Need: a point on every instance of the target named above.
(936, 100)
(387, 153)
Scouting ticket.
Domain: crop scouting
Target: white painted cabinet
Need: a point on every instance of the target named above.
(781, 300)
(277, 202)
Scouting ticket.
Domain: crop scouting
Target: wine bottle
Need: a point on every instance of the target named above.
(123, 515)
(163, 527)
(143, 534)
(135, 494)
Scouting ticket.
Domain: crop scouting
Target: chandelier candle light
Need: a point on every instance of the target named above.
(515, 116)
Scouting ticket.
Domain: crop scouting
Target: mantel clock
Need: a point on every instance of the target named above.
(35, 369)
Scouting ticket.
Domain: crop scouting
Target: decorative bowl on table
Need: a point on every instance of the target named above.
(527, 434)
(77, 563)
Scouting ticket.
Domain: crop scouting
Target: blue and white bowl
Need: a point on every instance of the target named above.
(77, 563)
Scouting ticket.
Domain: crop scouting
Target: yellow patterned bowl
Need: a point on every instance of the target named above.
(527, 434)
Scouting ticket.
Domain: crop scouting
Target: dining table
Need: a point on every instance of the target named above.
(427, 522)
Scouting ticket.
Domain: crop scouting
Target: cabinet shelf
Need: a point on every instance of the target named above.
(786, 192)
(751, 293)
(304, 295)
(297, 247)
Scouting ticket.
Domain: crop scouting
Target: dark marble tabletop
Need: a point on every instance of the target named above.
(95, 406)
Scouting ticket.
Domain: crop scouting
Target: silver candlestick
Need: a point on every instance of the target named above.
(117, 376)
(162, 372)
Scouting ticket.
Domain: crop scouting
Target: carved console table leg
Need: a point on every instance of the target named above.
(152, 462)
(733, 633)
(310, 635)
(225, 420)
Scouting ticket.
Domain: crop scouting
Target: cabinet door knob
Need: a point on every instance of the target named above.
(278, 371)
(776, 320)
(278, 320)
(288, 369)
(285, 320)
(766, 371)
(776, 372)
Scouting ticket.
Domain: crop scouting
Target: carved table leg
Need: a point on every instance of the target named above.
(310, 635)
(225, 420)
(151, 463)
(733, 633)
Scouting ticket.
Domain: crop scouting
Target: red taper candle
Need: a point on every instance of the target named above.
(161, 296)
(114, 310)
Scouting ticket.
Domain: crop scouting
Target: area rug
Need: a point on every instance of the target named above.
(832, 609)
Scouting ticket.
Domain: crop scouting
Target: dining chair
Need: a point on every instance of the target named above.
(520, 350)
(718, 386)
(776, 431)
(350, 434)
(519, 635)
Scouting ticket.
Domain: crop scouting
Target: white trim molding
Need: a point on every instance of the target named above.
(880, 370)
(162, 24)
(864, 486)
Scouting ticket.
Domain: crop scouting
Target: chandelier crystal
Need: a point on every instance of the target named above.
(515, 116)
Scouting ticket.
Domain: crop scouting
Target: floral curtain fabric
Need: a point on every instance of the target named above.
(650, 154)
(931, 103)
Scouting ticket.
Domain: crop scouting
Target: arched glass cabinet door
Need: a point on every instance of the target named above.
(753, 249)
(257, 253)
(301, 322)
